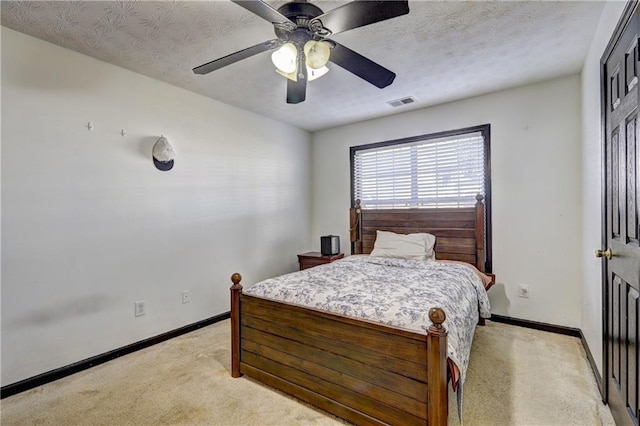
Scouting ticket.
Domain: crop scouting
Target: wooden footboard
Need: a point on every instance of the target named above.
(364, 372)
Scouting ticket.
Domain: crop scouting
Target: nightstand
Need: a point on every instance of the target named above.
(315, 258)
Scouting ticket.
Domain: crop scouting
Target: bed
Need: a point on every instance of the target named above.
(363, 371)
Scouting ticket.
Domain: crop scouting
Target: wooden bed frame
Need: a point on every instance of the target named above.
(460, 232)
(364, 372)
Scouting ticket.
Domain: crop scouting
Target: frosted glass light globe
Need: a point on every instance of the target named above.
(313, 73)
(317, 53)
(285, 58)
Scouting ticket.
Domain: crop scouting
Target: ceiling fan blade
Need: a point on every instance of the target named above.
(263, 10)
(297, 90)
(360, 13)
(237, 56)
(364, 68)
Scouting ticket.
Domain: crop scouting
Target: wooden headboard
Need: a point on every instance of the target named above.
(460, 232)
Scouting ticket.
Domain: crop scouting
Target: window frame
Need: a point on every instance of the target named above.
(483, 129)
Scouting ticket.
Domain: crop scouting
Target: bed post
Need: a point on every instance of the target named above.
(236, 290)
(355, 228)
(437, 402)
(480, 247)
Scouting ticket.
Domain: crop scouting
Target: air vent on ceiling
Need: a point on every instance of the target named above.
(403, 101)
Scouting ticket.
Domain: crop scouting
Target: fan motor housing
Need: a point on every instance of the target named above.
(298, 13)
(295, 9)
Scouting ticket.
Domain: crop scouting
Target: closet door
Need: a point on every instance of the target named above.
(621, 254)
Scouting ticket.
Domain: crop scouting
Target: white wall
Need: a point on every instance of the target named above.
(536, 201)
(591, 322)
(89, 225)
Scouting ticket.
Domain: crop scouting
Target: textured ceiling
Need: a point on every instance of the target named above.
(441, 51)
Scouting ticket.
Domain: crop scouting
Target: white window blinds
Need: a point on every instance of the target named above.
(445, 172)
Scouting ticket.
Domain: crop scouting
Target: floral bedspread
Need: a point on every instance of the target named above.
(391, 291)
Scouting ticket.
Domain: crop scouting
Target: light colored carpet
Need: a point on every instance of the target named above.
(516, 376)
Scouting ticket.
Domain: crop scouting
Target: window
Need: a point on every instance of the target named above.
(446, 169)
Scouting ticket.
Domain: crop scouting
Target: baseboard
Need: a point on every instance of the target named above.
(569, 331)
(552, 328)
(592, 362)
(76, 367)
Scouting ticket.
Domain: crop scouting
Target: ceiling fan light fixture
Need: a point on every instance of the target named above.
(290, 75)
(313, 73)
(285, 58)
(317, 53)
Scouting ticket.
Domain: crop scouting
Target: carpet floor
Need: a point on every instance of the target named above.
(516, 376)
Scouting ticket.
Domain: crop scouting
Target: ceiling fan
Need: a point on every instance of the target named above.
(302, 43)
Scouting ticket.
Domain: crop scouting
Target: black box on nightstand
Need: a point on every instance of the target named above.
(329, 244)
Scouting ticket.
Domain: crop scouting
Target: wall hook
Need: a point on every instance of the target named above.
(123, 133)
(89, 125)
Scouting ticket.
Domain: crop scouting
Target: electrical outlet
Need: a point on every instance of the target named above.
(186, 296)
(523, 291)
(140, 308)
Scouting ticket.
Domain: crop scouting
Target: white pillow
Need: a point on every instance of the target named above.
(407, 246)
